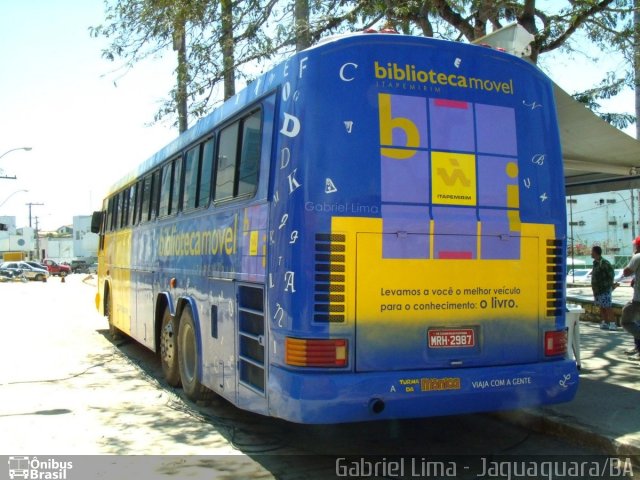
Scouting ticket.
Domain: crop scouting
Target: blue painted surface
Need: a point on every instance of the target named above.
(321, 162)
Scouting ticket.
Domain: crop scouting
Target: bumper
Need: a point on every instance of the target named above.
(319, 397)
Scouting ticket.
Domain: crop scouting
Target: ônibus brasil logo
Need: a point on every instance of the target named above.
(34, 468)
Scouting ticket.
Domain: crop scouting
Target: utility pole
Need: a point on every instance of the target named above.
(633, 215)
(30, 204)
(37, 233)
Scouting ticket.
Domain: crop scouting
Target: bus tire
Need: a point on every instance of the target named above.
(169, 349)
(189, 359)
(114, 333)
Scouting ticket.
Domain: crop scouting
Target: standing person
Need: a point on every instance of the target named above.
(602, 286)
(631, 311)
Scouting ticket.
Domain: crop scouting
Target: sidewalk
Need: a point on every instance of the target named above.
(605, 413)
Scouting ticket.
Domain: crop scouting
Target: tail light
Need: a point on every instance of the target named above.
(301, 352)
(555, 343)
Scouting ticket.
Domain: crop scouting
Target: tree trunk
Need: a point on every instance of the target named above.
(303, 32)
(636, 60)
(180, 45)
(228, 49)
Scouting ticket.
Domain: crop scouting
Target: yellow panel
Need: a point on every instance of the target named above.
(410, 290)
(454, 178)
(119, 266)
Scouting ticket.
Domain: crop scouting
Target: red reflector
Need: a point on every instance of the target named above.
(301, 352)
(555, 343)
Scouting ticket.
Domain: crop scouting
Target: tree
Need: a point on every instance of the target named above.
(205, 34)
(610, 25)
(215, 39)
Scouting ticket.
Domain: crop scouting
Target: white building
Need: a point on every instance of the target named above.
(608, 219)
(63, 245)
(85, 243)
(16, 239)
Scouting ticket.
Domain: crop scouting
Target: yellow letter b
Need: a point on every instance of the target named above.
(389, 123)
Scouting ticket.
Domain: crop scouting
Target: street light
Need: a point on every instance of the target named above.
(26, 149)
(6, 199)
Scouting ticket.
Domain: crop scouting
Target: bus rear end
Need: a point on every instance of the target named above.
(418, 234)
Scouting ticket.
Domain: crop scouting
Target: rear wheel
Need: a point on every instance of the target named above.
(190, 359)
(169, 349)
(114, 333)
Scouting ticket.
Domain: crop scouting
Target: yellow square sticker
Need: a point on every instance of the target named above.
(454, 178)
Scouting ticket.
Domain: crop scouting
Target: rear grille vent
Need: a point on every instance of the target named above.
(330, 278)
(554, 280)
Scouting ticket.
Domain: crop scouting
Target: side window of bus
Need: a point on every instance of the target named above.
(133, 204)
(118, 213)
(155, 195)
(165, 191)
(146, 199)
(110, 211)
(239, 158)
(206, 170)
(227, 151)
(139, 197)
(191, 168)
(175, 186)
(250, 155)
(124, 201)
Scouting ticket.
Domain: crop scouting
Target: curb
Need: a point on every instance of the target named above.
(568, 428)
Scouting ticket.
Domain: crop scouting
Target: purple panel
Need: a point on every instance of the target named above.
(413, 224)
(498, 241)
(413, 109)
(451, 125)
(493, 180)
(496, 130)
(406, 181)
(456, 231)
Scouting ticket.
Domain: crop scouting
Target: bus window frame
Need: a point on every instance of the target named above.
(240, 121)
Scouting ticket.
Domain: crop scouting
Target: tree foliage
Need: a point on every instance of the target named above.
(223, 37)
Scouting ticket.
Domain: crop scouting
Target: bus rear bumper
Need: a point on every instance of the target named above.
(319, 397)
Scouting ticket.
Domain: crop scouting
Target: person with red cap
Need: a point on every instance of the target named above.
(630, 319)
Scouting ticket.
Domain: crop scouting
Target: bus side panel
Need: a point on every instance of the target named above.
(219, 340)
(118, 247)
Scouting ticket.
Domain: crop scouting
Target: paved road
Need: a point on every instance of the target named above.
(67, 389)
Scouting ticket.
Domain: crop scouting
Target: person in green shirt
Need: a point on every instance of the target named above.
(602, 286)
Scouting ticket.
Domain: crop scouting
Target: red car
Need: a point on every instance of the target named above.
(56, 269)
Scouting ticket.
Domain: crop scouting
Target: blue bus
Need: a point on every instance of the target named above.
(374, 229)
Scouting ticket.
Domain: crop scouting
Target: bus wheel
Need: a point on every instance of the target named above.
(114, 333)
(169, 349)
(190, 360)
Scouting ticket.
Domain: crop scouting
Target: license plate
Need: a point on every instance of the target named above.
(452, 338)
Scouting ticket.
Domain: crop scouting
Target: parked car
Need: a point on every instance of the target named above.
(579, 276)
(57, 269)
(36, 264)
(79, 266)
(32, 273)
(8, 275)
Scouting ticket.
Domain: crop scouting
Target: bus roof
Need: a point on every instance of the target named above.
(269, 81)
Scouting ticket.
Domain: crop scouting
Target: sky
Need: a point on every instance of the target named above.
(86, 121)
(89, 123)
